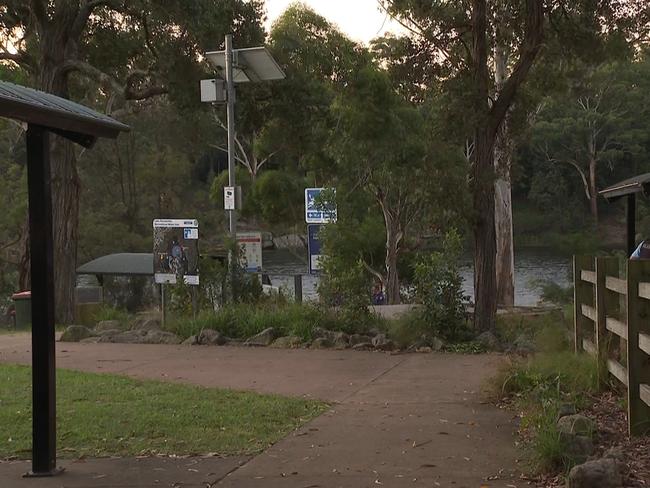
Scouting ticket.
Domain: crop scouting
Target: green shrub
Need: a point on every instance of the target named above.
(241, 321)
(554, 293)
(107, 312)
(438, 287)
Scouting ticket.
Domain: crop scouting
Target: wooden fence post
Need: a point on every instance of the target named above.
(607, 306)
(638, 362)
(583, 293)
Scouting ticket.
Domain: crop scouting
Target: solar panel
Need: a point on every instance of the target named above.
(250, 64)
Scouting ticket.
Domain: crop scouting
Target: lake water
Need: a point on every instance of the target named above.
(531, 267)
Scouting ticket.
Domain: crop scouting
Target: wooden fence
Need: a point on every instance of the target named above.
(612, 323)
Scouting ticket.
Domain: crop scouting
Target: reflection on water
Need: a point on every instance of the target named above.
(531, 267)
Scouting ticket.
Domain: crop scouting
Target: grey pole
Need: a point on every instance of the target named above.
(230, 88)
(230, 92)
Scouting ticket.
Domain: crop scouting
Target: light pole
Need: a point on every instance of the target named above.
(253, 64)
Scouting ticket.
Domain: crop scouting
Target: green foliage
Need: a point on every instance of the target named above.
(438, 287)
(241, 321)
(555, 293)
(183, 419)
(107, 312)
(279, 197)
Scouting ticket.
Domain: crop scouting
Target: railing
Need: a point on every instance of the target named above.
(612, 323)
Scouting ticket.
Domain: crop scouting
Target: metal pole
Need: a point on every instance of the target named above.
(230, 92)
(42, 276)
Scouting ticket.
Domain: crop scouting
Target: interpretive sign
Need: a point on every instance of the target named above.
(314, 248)
(176, 251)
(250, 244)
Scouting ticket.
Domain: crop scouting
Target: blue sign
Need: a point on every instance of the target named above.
(314, 247)
(316, 210)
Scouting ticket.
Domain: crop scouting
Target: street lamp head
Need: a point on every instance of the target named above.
(251, 64)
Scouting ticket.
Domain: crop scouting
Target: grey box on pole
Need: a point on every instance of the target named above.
(213, 91)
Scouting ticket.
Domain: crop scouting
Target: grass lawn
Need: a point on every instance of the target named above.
(104, 415)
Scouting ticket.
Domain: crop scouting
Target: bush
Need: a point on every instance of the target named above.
(438, 287)
(107, 312)
(240, 321)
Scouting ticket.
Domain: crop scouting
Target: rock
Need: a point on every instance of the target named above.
(577, 447)
(191, 341)
(147, 322)
(287, 342)
(381, 342)
(319, 332)
(374, 331)
(577, 425)
(211, 337)
(566, 409)
(359, 339)
(489, 341)
(322, 343)
(437, 344)
(75, 333)
(128, 337)
(90, 340)
(424, 349)
(160, 337)
(602, 473)
(341, 340)
(362, 346)
(264, 338)
(109, 333)
(523, 345)
(105, 325)
(615, 452)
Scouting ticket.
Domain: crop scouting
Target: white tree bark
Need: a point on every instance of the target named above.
(505, 259)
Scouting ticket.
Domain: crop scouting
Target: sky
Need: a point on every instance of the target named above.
(360, 20)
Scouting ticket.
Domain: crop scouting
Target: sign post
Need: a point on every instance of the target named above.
(314, 247)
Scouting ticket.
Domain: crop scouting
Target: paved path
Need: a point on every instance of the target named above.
(395, 421)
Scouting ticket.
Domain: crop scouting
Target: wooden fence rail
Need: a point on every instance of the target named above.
(612, 323)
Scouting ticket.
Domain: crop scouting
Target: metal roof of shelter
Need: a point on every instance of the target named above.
(63, 117)
(636, 184)
(126, 264)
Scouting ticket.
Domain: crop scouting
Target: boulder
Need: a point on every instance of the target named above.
(602, 473)
(615, 452)
(577, 425)
(109, 333)
(160, 337)
(424, 349)
(75, 333)
(128, 337)
(191, 341)
(264, 338)
(105, 325)
(359, 339)
(319, 332)
(437, 344)
(211, 337)
(322, 343)
(287, 342)
(577, 447)
(489, 341)
(566, 409)
(381, 342)
(363, 346)
(90, 340)
(147, 322)
(341, 340)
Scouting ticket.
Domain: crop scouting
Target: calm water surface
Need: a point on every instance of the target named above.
(531, 267)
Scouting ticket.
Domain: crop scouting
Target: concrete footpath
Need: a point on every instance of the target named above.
(414, 420)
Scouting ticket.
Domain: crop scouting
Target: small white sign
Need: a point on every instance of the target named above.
(229, 197)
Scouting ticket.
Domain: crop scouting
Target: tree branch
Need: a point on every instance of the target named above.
(531, 45)
(86, 10)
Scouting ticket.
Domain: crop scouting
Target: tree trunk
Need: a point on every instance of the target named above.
(485, 283)
(483, 181)
(504, 147)
(65, 183)
(593, 192)
(392, 275)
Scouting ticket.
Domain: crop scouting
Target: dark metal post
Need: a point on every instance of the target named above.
(42, 276)
(631, 223)
(297, 283)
